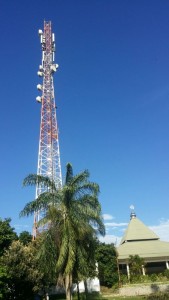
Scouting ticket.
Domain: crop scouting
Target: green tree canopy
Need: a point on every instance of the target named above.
(18, 261)
(107, 264)
(4, 280)
(25, 237)
(7, 234)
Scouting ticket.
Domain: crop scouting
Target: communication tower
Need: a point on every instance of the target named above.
(49, 155)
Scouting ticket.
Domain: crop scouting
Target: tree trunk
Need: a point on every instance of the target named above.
(86, 289)
(78, 292)
(68, 284)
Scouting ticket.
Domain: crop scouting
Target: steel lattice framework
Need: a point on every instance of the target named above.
(49, 155)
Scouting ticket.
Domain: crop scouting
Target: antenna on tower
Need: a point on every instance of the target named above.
(48, 155)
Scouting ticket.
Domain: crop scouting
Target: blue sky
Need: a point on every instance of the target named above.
(112, 93)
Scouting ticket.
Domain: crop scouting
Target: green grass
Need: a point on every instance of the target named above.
(124, 297)
(96, 296)
(99, 298)
(107, 294)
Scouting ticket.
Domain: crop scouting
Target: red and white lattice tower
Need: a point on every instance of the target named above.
(49, 156)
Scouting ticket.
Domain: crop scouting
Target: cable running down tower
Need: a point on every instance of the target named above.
(49, 155)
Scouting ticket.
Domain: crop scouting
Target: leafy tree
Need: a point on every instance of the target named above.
(46, 257)
(107, 264)
(7, 234)
(25, 274)
(4, 279)
(73, 215)
(18, 262)
(25, 237)
(135, 263)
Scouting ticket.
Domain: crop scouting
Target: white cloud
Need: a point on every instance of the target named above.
(22, 227)
(162, 230)
(113, 224)
(107, 217)
(110, 239)
(18, 226)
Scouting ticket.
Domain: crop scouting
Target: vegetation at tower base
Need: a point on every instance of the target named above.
(73, 220)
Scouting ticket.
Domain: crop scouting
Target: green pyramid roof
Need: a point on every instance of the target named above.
(153, 250)
(139, 239)
(137, 231)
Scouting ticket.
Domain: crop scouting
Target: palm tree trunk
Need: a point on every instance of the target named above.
(68, 284)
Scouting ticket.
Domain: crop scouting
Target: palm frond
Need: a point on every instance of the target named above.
(87, 188)
(71, 249)
(41, 203)
(62, 254)
(34, 179)
(89, 200)
(80, 178)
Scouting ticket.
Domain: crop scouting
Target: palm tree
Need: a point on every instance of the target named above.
(136, 263)
(73, 214)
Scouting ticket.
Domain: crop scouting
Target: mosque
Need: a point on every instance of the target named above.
(140, 240)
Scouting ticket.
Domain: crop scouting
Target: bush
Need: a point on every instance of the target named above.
(135, 279)
(166, 273)
(153, 277)
(144, 278)
(115, 287)
(124, 279)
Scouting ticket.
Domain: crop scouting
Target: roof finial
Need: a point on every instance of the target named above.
(132, 214)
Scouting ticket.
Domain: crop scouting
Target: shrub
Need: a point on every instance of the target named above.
(135, 279)
(144, 278)
(166, 273)
(124, 279)
(153, 277)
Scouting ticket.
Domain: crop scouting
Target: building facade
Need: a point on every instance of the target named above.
(140, 240)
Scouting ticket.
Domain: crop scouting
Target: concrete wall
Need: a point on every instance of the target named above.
(143, 289)
(93, 285)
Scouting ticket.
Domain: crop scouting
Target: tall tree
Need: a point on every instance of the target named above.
(107, 264)
(22, 273)
(25, 237)
(73, 215)
(7, 234)
(4, 282)
(18, 261)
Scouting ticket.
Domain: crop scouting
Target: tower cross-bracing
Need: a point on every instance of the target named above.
(49, 155)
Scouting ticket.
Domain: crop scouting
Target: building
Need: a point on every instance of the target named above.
(140, 240)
